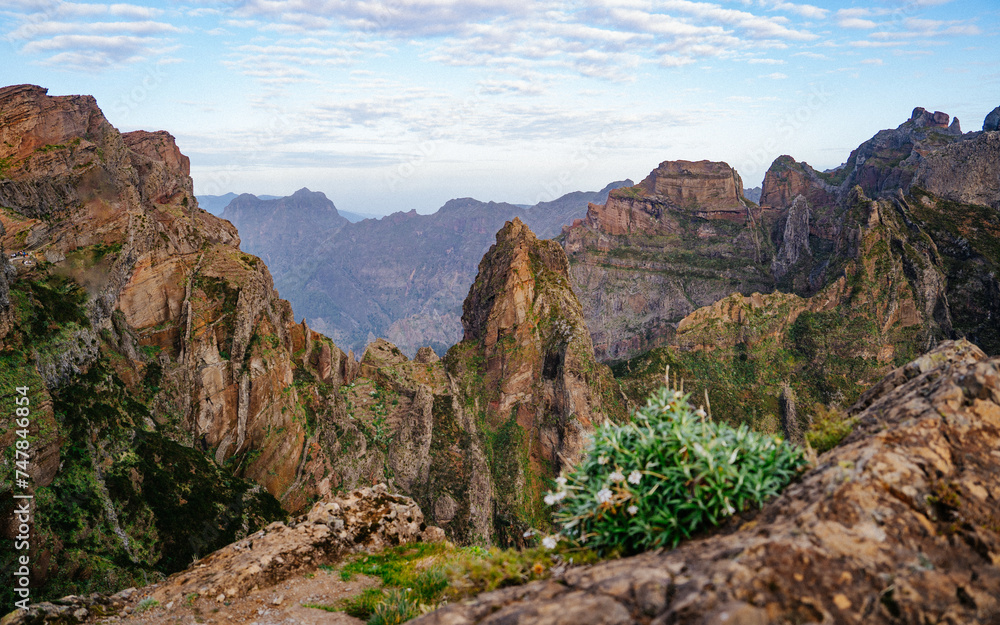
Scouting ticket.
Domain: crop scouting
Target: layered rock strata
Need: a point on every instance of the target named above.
(682, 238)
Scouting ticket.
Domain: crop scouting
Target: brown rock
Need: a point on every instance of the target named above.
(523, 319)
(893, 525)
(367, 519)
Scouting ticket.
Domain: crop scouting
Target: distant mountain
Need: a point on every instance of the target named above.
(402, 277)
(285, 230)
(215, 204)
(753, 194)
(356, 217)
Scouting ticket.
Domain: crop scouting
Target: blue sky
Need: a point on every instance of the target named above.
(389, 105)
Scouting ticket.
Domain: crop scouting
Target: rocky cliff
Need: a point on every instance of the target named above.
(868, 276)
(172, 410)
(474, 436)
(177, 402)
(683, 238)
(658, 251)
(897, 524)
(527, 362)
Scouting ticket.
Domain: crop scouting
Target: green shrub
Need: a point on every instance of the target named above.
(397, 607)
(147, 604)
(665, 475)
(829, 427)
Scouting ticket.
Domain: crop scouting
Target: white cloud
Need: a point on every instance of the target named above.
(78, 36)
(775, 76)
(872, 62)
(812, 55)
(807, 11)
(765, 61)
(874, 44)
(855, 22)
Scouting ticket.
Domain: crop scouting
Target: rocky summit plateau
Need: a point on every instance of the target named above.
(199, 452)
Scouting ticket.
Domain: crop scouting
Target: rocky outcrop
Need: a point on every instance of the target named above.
(992, 121)
(526, 340)
(965, 172)
(896, 524)
(712, 190)
(150, 299)
(367, 519)
(705, 189)
(794, 240)
(787, 179)
(641, 265)
(364, 520)
(683, 238)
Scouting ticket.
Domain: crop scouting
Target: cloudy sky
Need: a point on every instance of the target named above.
(389, 105)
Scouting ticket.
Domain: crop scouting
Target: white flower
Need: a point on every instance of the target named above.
(701, 412)
(550, 500)
(616, 476)
(603, 495)
(634, 477)
(730, 509)
(549, 542)
(560, 495)
(561, 481)
(602, 460)
(732, 456)
(529, 533)
(678, 394)
(632, 510)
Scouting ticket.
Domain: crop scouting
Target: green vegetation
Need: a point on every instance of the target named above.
(146, 604)
(5, 164)
(419, 577)
(51, 147)
(127, 504)
(667, 474)
(48, 304)
(828, 429)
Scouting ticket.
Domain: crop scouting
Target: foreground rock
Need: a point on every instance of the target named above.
(367, 519)
(900, 523)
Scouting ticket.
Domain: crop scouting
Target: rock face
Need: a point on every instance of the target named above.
(366, 519)
(643, 261)
(683, 238)
(528, 365)
(402, 277)
(964, 172)
(896, 524)
(712, 190)
(148, 330)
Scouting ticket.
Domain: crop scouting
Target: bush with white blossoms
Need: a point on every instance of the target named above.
(669, 472)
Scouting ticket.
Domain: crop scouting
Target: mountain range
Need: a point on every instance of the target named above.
(402, 277)
(178, 406)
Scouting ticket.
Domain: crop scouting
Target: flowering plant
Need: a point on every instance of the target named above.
(670, 471)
